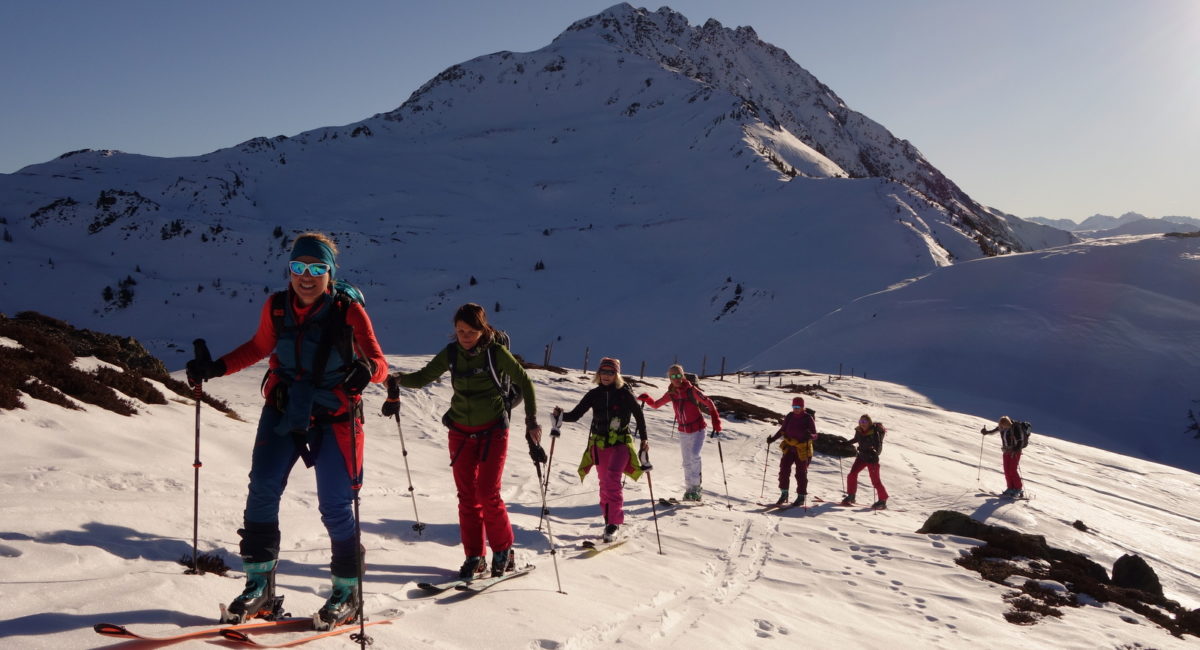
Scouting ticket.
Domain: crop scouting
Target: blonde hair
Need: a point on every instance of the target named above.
(674, 366)
(1005, 421)
(618, 380)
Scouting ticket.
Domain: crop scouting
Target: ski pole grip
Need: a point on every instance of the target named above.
(201, 350)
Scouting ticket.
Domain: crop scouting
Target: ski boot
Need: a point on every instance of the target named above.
(503, 562)
(473, 567)
(849, 500)
(258, 600)
(799, 499)
(879, 505)
(610, 533)
(342, 607)
(783, 498)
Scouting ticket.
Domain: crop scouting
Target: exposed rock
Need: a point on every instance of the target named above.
(1132, 572)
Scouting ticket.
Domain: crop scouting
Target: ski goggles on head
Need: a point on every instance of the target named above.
(675, 375)
(797, 406)
(606, 372)
(315, 269)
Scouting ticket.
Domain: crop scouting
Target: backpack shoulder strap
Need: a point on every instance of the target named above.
(278, 310)
(452, 358)
(495, 374)
(334, 332)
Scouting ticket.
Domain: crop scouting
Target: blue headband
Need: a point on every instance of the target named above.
(313, 247)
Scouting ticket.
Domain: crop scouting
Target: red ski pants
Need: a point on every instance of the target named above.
(1012, 459)
(872, 469)
(477, 456)
(792, 457)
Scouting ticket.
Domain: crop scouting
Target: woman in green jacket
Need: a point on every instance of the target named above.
(478, 424)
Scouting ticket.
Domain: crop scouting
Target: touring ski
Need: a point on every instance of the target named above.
(673, 502)
(591, 548)
(480, 584)
(122, 632)
(238, 636)
(1003, 497)
(439, 587)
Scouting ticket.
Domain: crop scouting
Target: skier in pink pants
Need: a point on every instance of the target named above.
(610, 445)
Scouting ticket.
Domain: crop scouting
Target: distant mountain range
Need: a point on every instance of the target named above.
(1130, 223)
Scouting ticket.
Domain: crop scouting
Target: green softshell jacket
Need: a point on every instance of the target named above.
(476, 401)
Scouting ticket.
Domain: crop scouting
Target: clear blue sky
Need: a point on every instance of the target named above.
(1056, 108)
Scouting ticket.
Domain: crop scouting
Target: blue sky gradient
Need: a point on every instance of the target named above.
(1055, 108)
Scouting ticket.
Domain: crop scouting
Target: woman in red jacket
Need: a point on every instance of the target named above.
(687, 400)
(323, 353)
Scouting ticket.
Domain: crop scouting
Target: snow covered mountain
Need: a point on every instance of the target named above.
(634, 142)
(641, 187)
(1096, 342)
(98, 509)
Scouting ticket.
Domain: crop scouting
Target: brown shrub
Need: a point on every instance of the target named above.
(130, 384)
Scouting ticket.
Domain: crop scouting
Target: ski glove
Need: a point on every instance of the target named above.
(200, 370)
(536, 452)
(391, 407)
(358, 376)
(645, 397)
(715, 434)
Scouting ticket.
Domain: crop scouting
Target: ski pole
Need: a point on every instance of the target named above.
(979, 465)
(721, 455)
(202, 355)
(646, 467)
(419, 527)
(555, 432)
(359, 637)
(841, 475)
(763, 492)
(556, 424)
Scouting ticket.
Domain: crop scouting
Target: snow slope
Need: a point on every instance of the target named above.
(98, 507)
(1095, 342)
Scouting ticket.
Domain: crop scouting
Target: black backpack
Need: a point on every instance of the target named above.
(335, 332)
(509, 391)
(1020, 434)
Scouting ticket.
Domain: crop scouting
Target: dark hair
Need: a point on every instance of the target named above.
(475, 317)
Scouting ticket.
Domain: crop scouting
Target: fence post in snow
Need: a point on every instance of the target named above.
(587, 352)
(703, 365)
(723, 369)
(642, 374)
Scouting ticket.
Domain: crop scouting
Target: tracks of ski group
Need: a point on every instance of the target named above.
(671, 613)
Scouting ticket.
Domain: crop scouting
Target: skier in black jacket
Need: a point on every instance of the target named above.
(610, 444)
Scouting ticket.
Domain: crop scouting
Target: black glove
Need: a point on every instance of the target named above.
(358, 376)
(391, 407)
(536, 452)
(715, 434)
(771, 439)
(201, 370)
